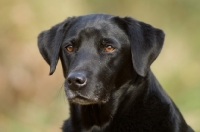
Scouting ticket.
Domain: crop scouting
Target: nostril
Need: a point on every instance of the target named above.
(80, 80)
(69, 82)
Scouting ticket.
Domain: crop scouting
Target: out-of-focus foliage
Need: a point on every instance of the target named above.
(32, 101)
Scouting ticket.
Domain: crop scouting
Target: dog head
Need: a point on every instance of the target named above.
(100, 53)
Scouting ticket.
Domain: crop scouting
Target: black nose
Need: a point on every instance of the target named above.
(76, 80)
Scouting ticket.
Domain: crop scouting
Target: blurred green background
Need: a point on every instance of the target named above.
(32, 101)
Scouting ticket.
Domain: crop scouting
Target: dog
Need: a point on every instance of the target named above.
(108, 81)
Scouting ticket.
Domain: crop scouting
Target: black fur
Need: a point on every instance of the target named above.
(111, 91)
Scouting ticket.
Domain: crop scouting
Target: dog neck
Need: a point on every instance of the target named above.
(94, 116)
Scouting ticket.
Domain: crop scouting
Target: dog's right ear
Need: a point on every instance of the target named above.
(49, 43)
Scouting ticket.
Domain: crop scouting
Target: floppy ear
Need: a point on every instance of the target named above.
(49, 43)
(146, 44)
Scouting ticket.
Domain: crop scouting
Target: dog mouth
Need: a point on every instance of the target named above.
(84, 99)
(78, 98)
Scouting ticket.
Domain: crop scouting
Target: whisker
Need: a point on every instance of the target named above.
(61, 94)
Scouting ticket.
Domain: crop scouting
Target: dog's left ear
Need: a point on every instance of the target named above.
(146, 44)
(49, 43)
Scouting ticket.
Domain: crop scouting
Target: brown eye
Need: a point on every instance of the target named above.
(69, 48)
(109, 48)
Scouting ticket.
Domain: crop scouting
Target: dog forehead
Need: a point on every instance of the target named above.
(93, 20)
(94, 25)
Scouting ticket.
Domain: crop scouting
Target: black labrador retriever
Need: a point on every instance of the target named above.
(106, 64)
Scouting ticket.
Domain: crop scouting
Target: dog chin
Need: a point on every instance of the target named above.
(79, 98)
(83, 101)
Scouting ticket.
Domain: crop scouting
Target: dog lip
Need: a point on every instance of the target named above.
(71, 95)
(82, 100)
(77, 97)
